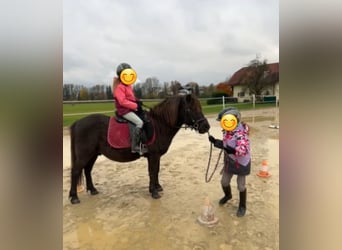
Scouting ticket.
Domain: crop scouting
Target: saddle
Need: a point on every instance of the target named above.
(120, 130)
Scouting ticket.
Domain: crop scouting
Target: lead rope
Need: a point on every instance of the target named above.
(209, 160)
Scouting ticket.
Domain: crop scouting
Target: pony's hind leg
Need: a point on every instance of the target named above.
(87, 173)
(76, 174)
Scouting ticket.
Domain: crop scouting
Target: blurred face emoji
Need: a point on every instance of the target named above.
(128, 76)
(229, 122)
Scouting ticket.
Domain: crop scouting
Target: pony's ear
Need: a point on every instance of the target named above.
(188, 97)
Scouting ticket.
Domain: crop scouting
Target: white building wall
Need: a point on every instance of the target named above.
(273, 90)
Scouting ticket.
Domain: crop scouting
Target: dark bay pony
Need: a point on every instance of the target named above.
(89, 140)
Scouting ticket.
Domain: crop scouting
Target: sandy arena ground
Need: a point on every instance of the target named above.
(124, 216)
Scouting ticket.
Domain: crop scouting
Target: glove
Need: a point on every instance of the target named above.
(212, 139)
(217, 143)
(140, 103)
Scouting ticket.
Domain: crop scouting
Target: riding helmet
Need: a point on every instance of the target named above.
(121, 67)
(230, 110)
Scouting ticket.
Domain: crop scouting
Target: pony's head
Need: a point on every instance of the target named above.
(193, 116)
(179, 110)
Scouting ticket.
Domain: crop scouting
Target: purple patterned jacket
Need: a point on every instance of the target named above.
(238, 163)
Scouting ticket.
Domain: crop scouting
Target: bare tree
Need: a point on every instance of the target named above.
(175, 86)
(151, 87)
(255, 78)
(109, 92)
(71, 91)
(165, 90)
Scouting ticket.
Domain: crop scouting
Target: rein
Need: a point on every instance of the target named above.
(209, 160)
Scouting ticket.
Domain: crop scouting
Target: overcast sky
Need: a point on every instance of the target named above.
(204, 41)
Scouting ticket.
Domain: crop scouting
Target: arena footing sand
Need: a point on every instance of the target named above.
(124, 216)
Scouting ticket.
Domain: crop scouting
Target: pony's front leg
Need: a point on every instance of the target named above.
(153, 170)
(158, 186)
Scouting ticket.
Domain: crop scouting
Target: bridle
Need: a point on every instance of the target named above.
(194, 123)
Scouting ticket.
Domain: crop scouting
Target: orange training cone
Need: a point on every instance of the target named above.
(207, 217)
(264, 170)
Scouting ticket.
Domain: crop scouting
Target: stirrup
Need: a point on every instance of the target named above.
(143, 149)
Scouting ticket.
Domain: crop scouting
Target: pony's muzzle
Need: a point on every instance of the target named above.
(203, 126)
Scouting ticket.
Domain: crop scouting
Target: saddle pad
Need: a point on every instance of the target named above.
(118, 134)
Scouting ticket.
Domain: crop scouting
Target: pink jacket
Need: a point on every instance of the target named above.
(239, 139)
(125, 100)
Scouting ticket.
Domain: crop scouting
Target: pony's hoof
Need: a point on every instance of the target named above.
(155, 195)
(159, 188)
(75, 200)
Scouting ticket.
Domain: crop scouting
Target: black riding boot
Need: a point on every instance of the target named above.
(242, 205)
(136, 142)
(227, 195)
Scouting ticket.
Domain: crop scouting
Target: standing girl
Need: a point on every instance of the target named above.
(237, 157)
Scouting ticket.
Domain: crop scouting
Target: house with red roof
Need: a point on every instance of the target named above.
(271, 81)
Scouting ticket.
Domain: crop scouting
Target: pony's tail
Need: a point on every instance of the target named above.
(72, 145)
(73, 153)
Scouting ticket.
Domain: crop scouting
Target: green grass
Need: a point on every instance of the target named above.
(87, 107)
(73, 112)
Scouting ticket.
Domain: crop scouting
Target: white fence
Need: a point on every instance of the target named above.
(220, 101)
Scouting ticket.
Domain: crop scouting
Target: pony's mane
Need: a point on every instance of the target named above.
(167, 110)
